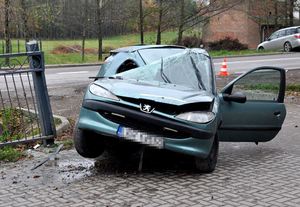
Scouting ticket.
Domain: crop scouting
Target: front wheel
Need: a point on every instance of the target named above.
(208, 164)
(87, 143)
(261, 48)
(287, 47)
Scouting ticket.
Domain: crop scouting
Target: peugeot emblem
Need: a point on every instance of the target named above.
(146, 108)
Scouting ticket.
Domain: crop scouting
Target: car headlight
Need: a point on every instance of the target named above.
(99, 91)
(197, 116)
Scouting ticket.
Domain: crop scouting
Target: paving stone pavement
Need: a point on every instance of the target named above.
(246, 175)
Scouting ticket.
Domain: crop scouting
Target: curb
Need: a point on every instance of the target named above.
(73, 65)
(253, 55)
(65, 124)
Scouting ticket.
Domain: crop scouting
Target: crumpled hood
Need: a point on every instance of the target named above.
(155, 91)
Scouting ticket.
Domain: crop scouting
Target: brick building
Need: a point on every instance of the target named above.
(250, 22)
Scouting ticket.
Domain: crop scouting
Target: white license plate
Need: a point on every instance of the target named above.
(141, 137)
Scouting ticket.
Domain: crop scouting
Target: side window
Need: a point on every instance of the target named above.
(261, 85)
(273, 36)
(282, 33)
(291, 31)
(127, 65)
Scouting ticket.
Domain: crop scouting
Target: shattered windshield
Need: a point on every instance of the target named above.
(189, 68)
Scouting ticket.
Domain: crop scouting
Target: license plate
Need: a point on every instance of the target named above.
(141, 137)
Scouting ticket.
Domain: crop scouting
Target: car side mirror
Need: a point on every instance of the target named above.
(236, 97)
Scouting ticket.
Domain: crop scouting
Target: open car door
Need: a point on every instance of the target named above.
(251, 106)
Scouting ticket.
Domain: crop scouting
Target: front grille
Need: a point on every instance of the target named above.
(144, 125)
(169, 108)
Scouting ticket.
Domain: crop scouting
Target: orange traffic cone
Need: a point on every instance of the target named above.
(223, 71)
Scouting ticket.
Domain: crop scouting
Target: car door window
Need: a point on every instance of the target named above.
(127, 65)
(291, 31)
(274, 36)
(261, 85)
(281, 33)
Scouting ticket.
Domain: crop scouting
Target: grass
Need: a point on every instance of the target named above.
(293, 87)
(10, 154)
(274, 87)
(224, 53)
(109, 43)
(16, 124)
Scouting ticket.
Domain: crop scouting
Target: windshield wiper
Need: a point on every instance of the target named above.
(200, 83)
(96, 77)
(163, 75)
(110, 77)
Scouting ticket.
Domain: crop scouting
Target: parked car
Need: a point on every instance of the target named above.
(285, 39)
(166, 97)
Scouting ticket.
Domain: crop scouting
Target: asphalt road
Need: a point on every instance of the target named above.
(72, 76)
(61, 76)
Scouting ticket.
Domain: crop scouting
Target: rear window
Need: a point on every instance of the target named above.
(154, 54)
(292, 31)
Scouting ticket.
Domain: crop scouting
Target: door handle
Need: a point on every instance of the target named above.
(277, 113)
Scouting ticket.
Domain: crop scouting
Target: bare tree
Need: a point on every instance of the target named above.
(6, 26)
(204, 11)
(141, 21)
(291, 12)
(181, 22)
(160, 14)
(25, 19)
(99, 21)
(84, 27)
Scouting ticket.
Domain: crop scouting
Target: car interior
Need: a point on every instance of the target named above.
(127, 65)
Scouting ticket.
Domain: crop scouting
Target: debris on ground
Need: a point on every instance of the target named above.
(50, 157)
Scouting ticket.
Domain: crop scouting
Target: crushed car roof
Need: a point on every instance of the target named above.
(143, 47)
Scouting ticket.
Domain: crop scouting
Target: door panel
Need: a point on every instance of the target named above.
(260, 118)
(253, 121)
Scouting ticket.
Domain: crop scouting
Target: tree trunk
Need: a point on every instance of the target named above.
(291, 12)
(286, 13)
(181, 23)
(85, 13)
(276, 14)
(6, 26)
(141, 22)
(299, 13)
(25, 19)
(158, 38)
(99, 21)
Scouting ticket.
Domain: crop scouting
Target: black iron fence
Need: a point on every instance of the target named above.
(25, 111)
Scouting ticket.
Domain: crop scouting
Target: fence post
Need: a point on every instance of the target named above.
(36, 61)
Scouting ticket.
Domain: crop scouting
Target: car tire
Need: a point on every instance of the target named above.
(261, 48)
(287, 47)
(87, 143)
(208, 164)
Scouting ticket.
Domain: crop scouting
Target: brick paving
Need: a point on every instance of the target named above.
(246, 175)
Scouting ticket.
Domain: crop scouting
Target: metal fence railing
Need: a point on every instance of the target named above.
(25, 111)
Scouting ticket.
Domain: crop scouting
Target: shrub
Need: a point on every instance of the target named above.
(227, 43)
(190, 41)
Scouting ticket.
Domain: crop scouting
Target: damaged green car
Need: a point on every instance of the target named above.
(166, 97)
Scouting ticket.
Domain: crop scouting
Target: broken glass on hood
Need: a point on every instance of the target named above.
(191, 69)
